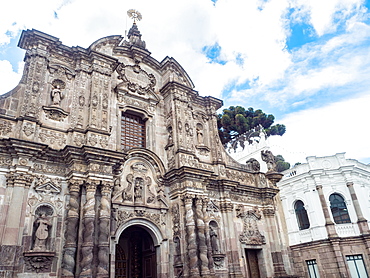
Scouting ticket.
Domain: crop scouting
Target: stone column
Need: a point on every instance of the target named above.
(104, 227)
(88, 230)
(361, 221)
(191, 239)
(330, 227)
(202, 238)
(71, 232)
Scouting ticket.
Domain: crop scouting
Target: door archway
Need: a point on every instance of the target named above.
(135, 254)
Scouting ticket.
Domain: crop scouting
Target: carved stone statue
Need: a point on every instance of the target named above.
(42, 232)
(214, 239)
(200, 134)
(56, 93)
(269, 158)
(253, 164)
(138, 189)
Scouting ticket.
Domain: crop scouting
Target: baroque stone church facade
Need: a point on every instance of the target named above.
(111, 166)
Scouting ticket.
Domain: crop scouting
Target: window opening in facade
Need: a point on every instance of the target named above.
(132, 131)
(313, 270)
(339, 209)
(356, 266)
(302, 217)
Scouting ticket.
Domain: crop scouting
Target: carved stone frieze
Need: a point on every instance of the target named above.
(123, 216)
(49, 168)
(187, 160)
(52, 137)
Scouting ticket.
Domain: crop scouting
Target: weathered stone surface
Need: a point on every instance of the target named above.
(172, 203)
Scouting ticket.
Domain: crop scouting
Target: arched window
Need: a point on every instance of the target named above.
(339, 209)
(302, 217)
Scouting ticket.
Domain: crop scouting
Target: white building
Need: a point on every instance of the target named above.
(326, 204)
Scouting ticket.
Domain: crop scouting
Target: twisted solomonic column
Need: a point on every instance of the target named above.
(202, 238)
(104, 229)
(88, 230)
(71, 232)
(191, 237)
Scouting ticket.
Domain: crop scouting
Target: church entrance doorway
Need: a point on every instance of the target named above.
(135, 254)
(251, 256)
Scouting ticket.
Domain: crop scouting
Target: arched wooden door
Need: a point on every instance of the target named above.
(135, 254)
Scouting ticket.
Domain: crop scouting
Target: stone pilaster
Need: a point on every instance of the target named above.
(232, 254)
(276, 254)
(104, 217)
(88, 230)
(71, 232)
(202, 239)
(330, 227)
(191, 237)
(361, 220)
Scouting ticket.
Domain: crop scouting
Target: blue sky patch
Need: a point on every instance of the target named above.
(213, 53)
(12, 52)
(301, 33)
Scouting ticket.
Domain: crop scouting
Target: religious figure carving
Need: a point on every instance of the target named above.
(269, 158)
(214, 237)
(56, 93)
(138, 189)
(42, 226)
(199, 130)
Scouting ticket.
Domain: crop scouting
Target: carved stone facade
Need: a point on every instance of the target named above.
(76, 201)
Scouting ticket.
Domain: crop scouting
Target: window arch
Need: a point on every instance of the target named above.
(302, 217)
(339, 209)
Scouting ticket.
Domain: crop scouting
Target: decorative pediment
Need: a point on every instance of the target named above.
(47, 185)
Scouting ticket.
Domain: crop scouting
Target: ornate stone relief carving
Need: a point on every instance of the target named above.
(5, 161)
(5, 127)
(135, 79)
(55, 113)
(52, 137)
(251, 234)
(123, 216)
(28, 129)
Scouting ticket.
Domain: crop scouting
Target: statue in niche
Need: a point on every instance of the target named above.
(43, 226)
(56, 93)
(269, 158)
(138, 189)
(214, 237)
(200, 137)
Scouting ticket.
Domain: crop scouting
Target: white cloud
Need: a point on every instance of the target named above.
(338, 127)
(11, 78)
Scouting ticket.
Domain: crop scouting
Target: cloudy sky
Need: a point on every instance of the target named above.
(305, 61)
